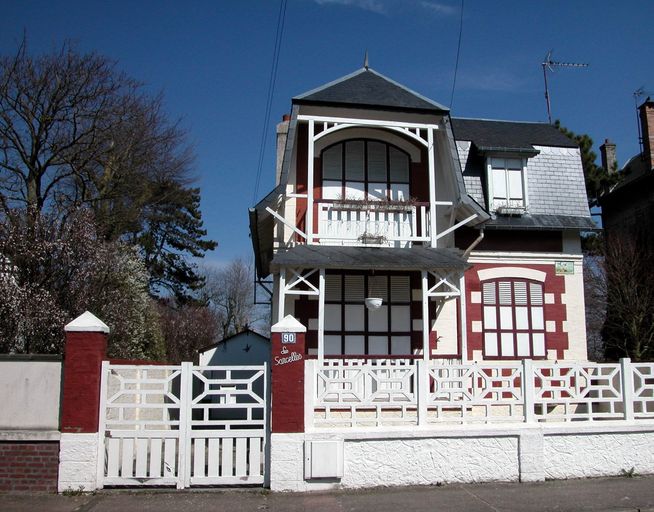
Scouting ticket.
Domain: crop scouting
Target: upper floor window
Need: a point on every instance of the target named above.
(513, 319)
(365, 170)
(507, 190)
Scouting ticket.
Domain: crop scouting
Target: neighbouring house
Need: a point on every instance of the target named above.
(244, 348)
(397, 230)
(628, 209)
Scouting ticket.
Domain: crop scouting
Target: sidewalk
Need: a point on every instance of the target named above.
(602, 494)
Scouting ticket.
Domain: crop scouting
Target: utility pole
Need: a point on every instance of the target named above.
(549, 65)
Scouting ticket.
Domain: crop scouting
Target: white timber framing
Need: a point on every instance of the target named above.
(443, 289)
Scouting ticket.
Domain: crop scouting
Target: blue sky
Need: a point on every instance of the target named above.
(212, 61)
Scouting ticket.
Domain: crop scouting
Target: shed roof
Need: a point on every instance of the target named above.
(366, 258)
(368, 88)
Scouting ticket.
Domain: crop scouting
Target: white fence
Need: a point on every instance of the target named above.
(182, 425)
(395, 392)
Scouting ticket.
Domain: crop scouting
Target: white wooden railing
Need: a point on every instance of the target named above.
(371, 224)
(397, 392)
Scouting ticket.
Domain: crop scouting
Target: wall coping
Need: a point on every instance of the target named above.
(87, 322)
(499, 430)
(30, 435)
(288, 324)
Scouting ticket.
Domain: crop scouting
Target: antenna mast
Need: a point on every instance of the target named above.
(549, 65)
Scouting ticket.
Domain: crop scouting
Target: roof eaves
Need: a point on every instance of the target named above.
(525, 150)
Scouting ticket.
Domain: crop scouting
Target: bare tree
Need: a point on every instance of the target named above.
(229, 291)
(186, 329)
(595, 298)
(629, 327)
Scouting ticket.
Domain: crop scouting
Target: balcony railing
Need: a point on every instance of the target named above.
(372, 223)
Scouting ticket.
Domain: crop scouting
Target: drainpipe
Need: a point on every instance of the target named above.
(474, 244)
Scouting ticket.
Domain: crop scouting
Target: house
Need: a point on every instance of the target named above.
(244, 348)
(397, 230)
(628, 209)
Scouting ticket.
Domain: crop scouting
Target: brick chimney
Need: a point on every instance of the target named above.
(609, 161)
(282, 134)
(647, 128)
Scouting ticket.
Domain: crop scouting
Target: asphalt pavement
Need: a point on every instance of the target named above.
(599, 494)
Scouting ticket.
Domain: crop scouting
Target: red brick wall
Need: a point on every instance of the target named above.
(29, 466)
(287, 407)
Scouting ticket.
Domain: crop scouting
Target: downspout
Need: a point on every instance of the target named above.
(474, 244)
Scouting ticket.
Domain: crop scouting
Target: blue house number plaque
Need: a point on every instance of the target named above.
(288, 337)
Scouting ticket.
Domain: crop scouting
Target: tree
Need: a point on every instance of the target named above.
(598, 179)
(186, 329)
(229, 291)
(75, 132)
(53, 271)
(629, 326)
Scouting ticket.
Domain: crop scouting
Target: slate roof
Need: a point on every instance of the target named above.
(542, 222)
(489, 135)
(364, 258)
(366, 88)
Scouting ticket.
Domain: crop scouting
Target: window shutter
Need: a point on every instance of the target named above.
(378, 287)
(333, 287)
(400, 289)
(536, 292)
(354, 289)
(354, 161)
(376, 161)
(489, 293)
(399, 163)
(332, 163)
(520, 292)
(505, 293)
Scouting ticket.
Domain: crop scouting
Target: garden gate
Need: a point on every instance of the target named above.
(182, 425)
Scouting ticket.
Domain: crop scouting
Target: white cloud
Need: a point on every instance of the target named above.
(376, 6)
(439, 8)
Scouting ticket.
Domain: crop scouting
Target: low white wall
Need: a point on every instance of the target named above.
(30, 393)
(467, 454)
(78, 462)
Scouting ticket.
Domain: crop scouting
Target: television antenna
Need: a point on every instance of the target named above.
(549, 65)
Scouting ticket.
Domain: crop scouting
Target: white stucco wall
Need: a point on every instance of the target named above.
(30, 394)
(78, 461)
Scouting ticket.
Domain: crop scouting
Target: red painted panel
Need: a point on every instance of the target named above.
(287, 375)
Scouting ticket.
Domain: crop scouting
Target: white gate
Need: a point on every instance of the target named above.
(182, 425)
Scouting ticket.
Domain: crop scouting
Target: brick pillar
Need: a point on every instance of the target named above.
(85, 348)
(287, 375)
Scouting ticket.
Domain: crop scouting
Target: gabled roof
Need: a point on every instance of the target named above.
(247, 332)
(489, 135)
(368, 89)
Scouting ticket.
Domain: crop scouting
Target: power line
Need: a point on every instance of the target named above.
(458, 52)
(281, 16)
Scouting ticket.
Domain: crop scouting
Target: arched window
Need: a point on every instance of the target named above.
(513, 319)
(365, 170)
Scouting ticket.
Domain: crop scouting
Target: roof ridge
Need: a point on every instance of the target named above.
(500, 120)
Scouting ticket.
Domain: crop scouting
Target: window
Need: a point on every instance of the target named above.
(507, 183)
(365, 169)
(350, 328)
(514, 325)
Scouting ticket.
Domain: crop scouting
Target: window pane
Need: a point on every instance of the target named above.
(378, 287)
(499, 183)
(507, 344)
(378, 345)
(376, 161)
(399, 162)
(506, 317)
(355, 191)
(400, 191)
(332, 163)
(539, 344)
(355, 345)
(332, 190)
(354, 160)
(497, 163)
(537, 318)
(513, 163)
(354, 289)
(400, 345)
(354, 317)
(515, 185)
(400, 318)
(376, 191)
(490, 317)
(333, 287)
(332, 345)
(523, 344)
(332, 317)
(378, 319)
(490, 344)
(521, 318)
(400, 289)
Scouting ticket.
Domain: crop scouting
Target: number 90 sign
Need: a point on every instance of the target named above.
(288, 337)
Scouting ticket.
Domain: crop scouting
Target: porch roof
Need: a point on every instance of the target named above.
(368, 258)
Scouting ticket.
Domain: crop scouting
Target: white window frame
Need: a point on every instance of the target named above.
(489, 180)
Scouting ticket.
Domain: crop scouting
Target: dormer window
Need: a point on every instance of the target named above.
(507, 185)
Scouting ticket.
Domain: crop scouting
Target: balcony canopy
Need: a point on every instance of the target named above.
(369, 258)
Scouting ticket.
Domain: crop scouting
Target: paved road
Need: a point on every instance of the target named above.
(603, 494)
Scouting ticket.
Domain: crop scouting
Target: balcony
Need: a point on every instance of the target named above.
(372, 223)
